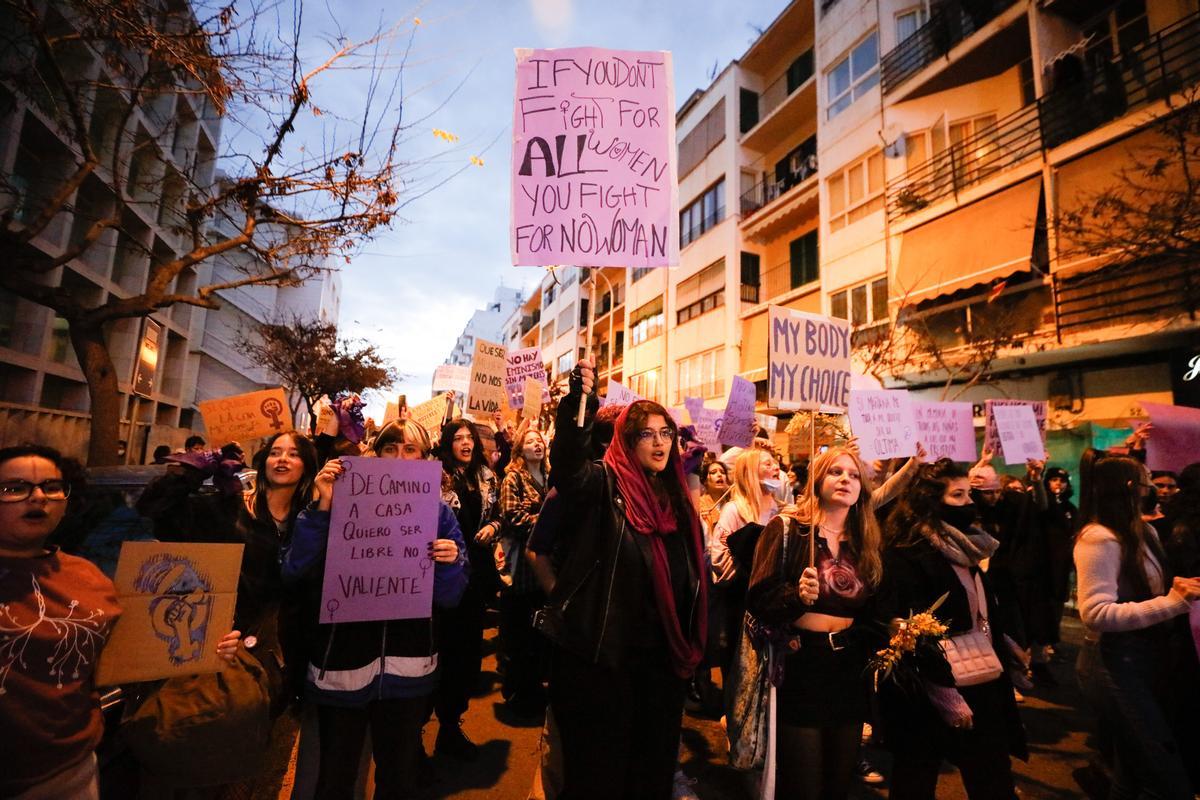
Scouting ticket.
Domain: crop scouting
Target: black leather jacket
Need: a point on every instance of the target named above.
(602, 605)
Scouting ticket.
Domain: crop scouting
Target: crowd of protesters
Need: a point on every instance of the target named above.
(636, 575)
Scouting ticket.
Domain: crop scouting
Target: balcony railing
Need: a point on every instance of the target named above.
(1000, 146)
(750, 293)
(1125, 293)
(785, 85)
(770, 189)
(1167, 62)
(528, 321)
(949, 24)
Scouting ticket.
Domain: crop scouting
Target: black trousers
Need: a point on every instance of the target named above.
(395, 736)
(620, 727)
(523, 646)
(460, 650)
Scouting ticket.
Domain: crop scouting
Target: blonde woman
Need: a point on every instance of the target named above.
(751, 502)
(823, 700)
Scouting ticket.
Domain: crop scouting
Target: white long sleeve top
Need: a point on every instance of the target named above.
(1098, 563)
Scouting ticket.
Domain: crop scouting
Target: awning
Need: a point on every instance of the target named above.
(976, 244)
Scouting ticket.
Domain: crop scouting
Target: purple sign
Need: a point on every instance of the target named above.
(383, 520)
(737, 426)
(1175, 440)
(593, 159)
(883, 423)
(991, 436)
(708, 428)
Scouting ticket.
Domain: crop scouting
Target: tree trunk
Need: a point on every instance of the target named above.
(103, 390)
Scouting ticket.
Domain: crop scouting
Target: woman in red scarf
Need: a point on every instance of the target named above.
(628, 611)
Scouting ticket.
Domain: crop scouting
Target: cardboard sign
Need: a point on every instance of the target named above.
(1020, 435)
(245, 416)
(451, 378)
(430, 415)
(618, 395)
(593, 159)
(809, 359)
(384, 517)
(884, 424)
(708, 427)
(522, 364)
(531, 400)
(991, 437)
(946, 430)
(737, 423)
(1175, 440)
(485, 392)
(391, 412)
(178, 602)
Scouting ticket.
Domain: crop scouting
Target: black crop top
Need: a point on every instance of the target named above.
(842, 593)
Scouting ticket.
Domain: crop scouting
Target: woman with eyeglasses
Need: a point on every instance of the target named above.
(56, 614)
(375, 676)
(476, 504)
(1127, 599)
(628, 611)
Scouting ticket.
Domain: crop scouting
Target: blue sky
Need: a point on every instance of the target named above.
(412, 289)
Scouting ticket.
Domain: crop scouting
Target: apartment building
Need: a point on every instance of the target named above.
(953, 138)
(562, 332)
(487, 323)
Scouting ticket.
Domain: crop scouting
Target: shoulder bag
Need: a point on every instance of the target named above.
(972, 658)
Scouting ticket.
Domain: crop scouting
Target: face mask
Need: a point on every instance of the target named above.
(1150, 501)
(961, 517)
(772, 485)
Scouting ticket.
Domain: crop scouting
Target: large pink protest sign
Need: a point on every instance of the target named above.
(1175, 438)
(593, 159)
(946, 430)
(383, 520)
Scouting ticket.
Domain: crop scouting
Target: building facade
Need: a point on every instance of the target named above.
(487, 323)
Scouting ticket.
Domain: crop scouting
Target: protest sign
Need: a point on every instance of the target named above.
(708, 427)
(737, 423)
(693, 405)
(1020, 436)
(245, 416)
(532, 398)
(177, 601)
(593, 159)
(1175, 440)
(522, 364)
(618, 395)
(391, 412)
(809, 359)
(430, 415)
(991, 437)
(383, 520)
(883, 423)
(451, 378)
(485, 393)
(681, 416)
(946, 430)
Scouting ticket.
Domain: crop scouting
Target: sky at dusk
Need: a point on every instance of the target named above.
(413, 289)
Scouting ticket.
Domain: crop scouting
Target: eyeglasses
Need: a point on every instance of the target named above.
(664, 434)
(16, 491)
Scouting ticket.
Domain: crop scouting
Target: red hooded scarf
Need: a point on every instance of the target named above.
(650, 516)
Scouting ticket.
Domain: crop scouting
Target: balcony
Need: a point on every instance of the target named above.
(784, 107)
(948, 25)
(750, 293)
(771, 189)
(1124, 294)
(529, 321)
(1166, 63)
(1010, 141)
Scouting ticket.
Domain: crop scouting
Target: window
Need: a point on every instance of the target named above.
(60, 340)
(646, 322)
(566, 362)
(547, 335)
(566, 320)
(700, 293)
(803, 257)
(700, 376)
(747, 109)
(907, 22)
(548, 295)
(568, 276)
(856, 191)
(702, 214)
(799, 71)
(975, 145)
(702, 139)
(645, 384)
(865, 304)
(641, 272)
(853, 76)
(751, 268)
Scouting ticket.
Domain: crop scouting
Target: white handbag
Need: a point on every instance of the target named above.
(972, 658)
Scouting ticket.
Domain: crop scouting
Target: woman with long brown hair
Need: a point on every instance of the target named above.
(1126, 607)
(815, 569)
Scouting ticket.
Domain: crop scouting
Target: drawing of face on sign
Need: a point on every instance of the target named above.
(182, 604)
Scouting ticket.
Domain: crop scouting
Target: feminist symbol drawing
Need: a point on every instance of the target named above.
(271, 407)
(182, 604)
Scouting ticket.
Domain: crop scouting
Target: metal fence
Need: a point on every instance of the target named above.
(948, 25)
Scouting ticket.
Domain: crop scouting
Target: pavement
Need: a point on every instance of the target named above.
(1057, 729)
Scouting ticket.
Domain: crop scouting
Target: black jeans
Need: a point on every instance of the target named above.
(395, 736)
(523, 646)
(460, 651)
(620, 727)
(1119, 675)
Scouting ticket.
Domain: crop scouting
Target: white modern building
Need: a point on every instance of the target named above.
(486, 323)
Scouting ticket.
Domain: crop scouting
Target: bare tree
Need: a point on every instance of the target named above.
(311, 361)
(102, 71)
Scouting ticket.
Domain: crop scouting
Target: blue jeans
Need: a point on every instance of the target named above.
(1118, 675)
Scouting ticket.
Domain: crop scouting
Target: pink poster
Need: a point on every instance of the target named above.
(946, 430)
(1175, 439)
(593, 159)
(737, 423)
(883, 423)
(991, 436)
